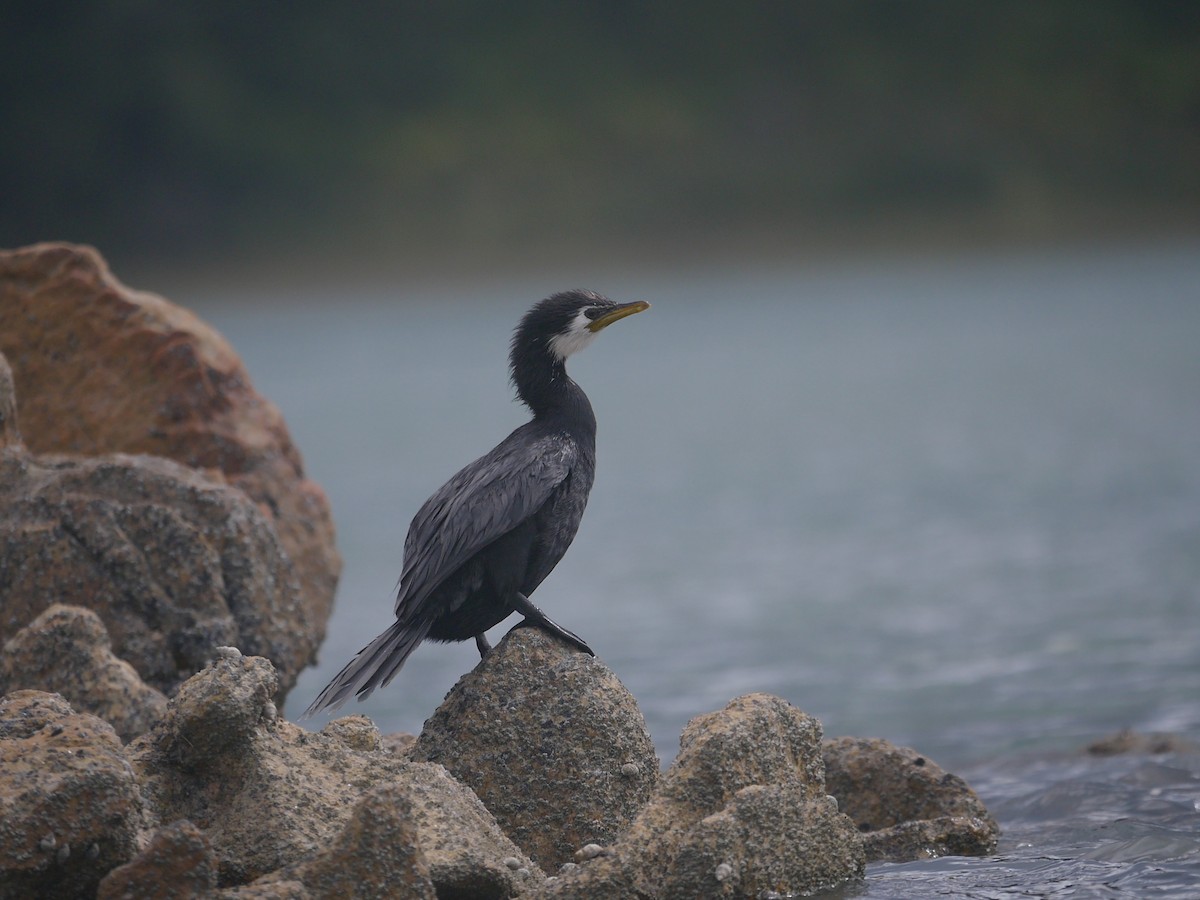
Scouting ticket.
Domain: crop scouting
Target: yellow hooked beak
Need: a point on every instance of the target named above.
(618, 312)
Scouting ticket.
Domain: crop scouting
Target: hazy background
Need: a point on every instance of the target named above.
(371, 136)
(911, 436)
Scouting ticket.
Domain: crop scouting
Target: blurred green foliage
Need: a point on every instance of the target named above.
(194, 126)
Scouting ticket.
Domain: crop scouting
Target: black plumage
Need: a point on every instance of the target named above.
(479, 547)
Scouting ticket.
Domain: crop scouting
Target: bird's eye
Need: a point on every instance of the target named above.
(594, 312)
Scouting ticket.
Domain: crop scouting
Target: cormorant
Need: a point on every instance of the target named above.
(487, 538)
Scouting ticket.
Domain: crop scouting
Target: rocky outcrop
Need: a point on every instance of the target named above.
(101, 370)
(69, 805)
(907, 806)
(550, 741)
(222, 795)
(67, 650)
(742, 812)
(377, 854)
(270, 796)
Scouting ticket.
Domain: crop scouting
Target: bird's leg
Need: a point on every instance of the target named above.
(481, 642)
(534, 616)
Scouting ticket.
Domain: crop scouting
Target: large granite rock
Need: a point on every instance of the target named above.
(174, 564)
(742, 812)
(550, 741)
(907, 806)
(103, 369)
(69, 804)
(67, 650)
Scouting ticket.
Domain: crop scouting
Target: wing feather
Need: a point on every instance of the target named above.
(481, 503)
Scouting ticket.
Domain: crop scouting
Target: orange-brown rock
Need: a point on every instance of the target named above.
(103, 369)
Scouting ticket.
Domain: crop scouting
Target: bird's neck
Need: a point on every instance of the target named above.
(553, 397)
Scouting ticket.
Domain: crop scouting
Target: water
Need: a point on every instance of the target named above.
(954, 503)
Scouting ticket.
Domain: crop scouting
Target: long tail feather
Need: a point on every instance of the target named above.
(373, 666)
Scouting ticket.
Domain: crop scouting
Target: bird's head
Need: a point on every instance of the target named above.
(567, 322)
(557, 327)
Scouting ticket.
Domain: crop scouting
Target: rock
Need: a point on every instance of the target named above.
(265, 889)
(550, 741)
(103, 369)
(270, 796)
(742, 812)
(907, 806)
(768, 838)
(468, 854)
(66, 649)
(377, 854)
(400, 743)
(10, 435)
(1128, 741)
(355, 731)
(222, 759)
(177, 864)
(175, 565)
(69, 804)
(609, 876)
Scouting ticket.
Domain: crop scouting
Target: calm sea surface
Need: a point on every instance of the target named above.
(954, 503)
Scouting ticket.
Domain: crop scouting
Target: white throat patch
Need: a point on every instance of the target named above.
(574, 339)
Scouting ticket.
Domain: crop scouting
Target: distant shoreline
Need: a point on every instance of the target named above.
(317, 265)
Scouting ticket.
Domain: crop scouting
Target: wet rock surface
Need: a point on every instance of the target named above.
(69, 804)
(102, 369)
(551, 742)
(67, 650)
(907, 806)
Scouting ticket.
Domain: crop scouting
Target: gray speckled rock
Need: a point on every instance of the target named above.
(742, 810)
(907, 806)
(174, 564)
(67, 650)
(177, 864)
(550, 740)
(265, 793)
(468, 854)
(69, 805)
(611, 875)
(376, 855)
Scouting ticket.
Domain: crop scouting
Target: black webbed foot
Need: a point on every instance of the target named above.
(534, 616)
